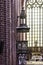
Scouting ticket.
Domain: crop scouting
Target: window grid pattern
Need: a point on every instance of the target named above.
(35, 22)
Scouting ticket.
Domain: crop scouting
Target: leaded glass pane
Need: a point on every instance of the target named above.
(35, 22)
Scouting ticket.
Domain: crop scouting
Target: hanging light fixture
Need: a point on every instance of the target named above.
(23, 27)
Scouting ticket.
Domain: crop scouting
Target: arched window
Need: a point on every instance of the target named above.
(35, 22)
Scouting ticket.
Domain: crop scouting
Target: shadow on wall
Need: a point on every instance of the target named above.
(1, 46)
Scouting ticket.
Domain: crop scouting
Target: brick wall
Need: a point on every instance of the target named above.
(2, 29)
(9, 10)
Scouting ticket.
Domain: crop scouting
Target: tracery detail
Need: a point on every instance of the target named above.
(35, 22)
(35, 3)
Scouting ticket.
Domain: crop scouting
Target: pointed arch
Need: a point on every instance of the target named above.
(35, 22)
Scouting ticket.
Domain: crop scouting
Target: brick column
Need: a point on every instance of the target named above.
(10, 32)
(2, 29)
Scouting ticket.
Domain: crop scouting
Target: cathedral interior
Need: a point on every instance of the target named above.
(21, 32)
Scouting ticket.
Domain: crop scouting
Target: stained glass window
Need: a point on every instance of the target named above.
(35, 22)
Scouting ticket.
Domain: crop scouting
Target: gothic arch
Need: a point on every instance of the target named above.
(35, 22)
